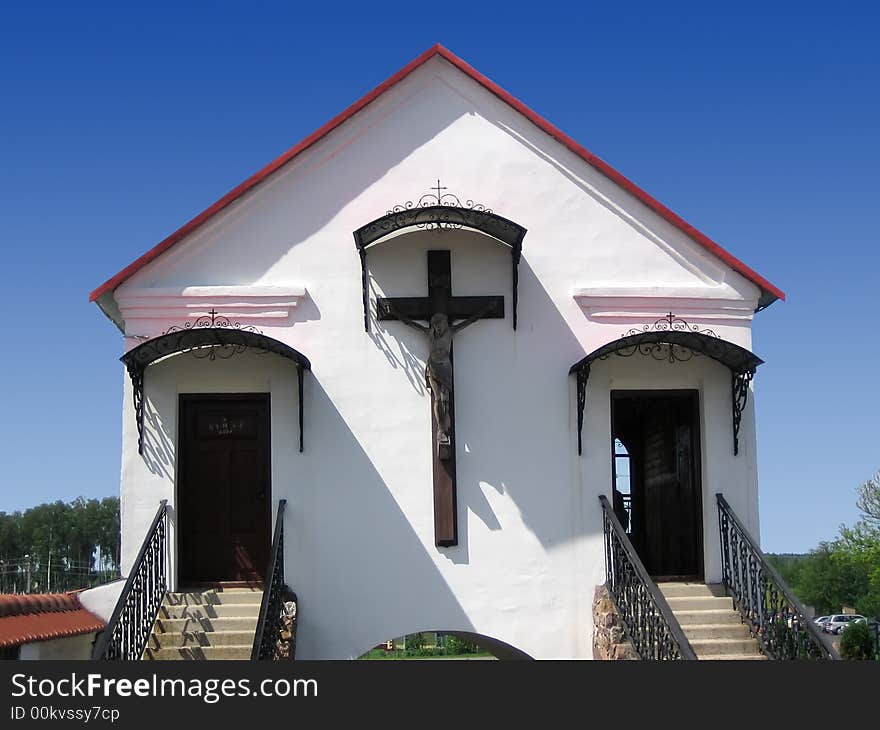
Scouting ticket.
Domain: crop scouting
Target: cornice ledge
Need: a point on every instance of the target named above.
(721, 302)
(271, 305)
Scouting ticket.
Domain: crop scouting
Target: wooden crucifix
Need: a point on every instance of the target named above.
(445, 315)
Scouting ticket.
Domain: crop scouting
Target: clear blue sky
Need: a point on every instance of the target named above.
(758, 126)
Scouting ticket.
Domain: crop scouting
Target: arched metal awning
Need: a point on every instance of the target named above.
(442, 211)
(674, 340)
(211, 338)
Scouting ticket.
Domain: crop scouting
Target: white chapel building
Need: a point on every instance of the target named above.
(289, 352)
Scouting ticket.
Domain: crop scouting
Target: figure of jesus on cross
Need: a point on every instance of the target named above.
(438, 367)
(445, 315)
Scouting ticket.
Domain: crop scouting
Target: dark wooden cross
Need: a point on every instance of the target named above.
(459, 312)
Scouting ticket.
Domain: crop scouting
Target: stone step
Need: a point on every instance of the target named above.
(695, 632)
(214, 598)
(684, 590)
(218, 639)
(700, 603)
(236, 623)
(199, 653)
(712, 648)
(707, 616)
(735, 657)
(222, 610)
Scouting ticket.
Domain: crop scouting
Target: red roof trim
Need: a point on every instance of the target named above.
(537, 120)
(39, 617)
(18, 630)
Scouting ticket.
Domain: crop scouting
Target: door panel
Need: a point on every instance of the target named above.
(223, 488)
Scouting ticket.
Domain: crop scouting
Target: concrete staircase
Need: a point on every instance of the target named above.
(213, 624)
(709, 621)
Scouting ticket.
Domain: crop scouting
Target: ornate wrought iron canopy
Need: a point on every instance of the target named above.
(210, 337)
(440, 211)
(674, 340)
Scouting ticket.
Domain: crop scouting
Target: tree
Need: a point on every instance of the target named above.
(458, 646)
(61, 542)
(857, 642)
(415, 642)
(869, 499)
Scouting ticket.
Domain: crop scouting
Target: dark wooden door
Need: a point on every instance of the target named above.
(661, 432)
(224, 488)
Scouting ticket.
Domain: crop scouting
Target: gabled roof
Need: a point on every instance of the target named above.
(769, 293)
(39, 617)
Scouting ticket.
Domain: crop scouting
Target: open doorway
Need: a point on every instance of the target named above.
(656, 471)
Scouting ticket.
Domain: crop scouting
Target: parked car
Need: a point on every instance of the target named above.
(821, 620)
(837, 623)
(873, 623)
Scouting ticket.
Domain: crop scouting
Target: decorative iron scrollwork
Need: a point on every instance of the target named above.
(659, 350)
(772, 613)
(740, 382)
(672, 339)
(126, 634)
(439, 210)
(649, 622)
(213, 350)
(210, 337)
(269, 621)
(582, 374)
(441, 199)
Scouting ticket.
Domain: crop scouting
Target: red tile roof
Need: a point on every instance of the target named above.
(39, 617)
(769, 292)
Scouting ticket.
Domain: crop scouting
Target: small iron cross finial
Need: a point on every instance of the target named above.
(670, 318)
(438, 189)
(213, 314)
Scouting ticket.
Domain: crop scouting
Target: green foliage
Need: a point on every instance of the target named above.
(845, 571)
(419, 647)
(415, 643)
(56, 545)
(455, 645)
(856, 642)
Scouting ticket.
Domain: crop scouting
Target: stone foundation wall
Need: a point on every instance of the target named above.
(285, 644)
(609, 637)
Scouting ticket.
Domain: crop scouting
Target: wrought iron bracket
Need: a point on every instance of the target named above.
(672, 339)
(439, 211)
(208, 337)
(740, 382)
(582, 374)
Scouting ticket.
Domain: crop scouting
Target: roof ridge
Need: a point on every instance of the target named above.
(769, 292)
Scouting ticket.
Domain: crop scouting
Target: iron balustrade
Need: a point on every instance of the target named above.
(650, 626)
(272, 604)
(774, 616)
(131, 623)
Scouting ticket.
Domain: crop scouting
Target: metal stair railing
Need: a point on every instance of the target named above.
(271, 606)
(131, 623)
(767, 606)
(647, 618)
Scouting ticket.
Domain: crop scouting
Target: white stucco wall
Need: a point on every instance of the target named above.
(101, 600)
(359, 529)
(70, 647)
